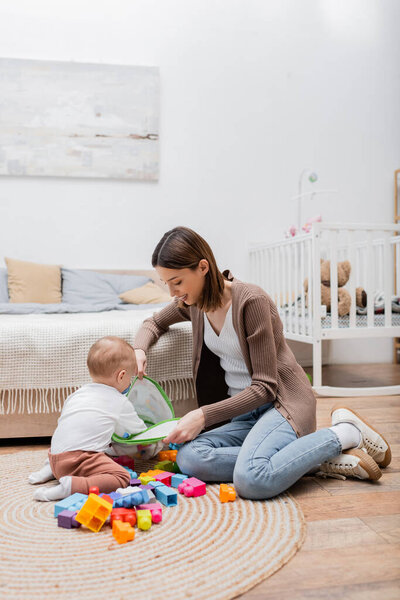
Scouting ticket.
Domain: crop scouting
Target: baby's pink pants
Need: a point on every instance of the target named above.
(89, 469)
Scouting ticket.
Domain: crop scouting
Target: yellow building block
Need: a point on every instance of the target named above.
(143, 519)
(145, 478)
(94, 512)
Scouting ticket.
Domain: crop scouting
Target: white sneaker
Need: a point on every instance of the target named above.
(352, 463)
(373, 442)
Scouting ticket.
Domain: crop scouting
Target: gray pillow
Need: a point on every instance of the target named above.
(4, 286)
(83, 287)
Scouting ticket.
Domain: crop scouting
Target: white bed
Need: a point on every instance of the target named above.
(281, 268)
(43, 359)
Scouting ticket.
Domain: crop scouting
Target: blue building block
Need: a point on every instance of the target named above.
(74, 502)
(129, 500)
(166, 495)
(177, 479)
(175, 446)
(132, 473)
(155, 484)
(114, 496)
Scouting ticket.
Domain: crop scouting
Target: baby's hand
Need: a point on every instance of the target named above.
(147, 452)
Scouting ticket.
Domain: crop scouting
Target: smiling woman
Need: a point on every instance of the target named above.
(186, 263)
(246, 374)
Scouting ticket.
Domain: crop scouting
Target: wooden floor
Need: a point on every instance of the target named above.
(352, 548)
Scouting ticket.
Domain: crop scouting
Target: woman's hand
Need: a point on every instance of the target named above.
(141, 360)
(188, 428)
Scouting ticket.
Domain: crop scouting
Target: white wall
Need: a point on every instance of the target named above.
(251, 93)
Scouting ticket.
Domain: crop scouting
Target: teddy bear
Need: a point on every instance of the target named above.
(344, 298)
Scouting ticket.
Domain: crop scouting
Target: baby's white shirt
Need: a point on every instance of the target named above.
(90, 416)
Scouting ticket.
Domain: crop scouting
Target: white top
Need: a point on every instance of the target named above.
(90, 416)
(226, 346)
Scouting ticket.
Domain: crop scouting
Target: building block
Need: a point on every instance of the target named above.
(168, 465)
(153, 472)
(123, 532)
(107, 498)
(177, 479)
(155, 509)
(192, 487)
(163, 465)
(132, 473)
(145, 479)
(73, 502)
(127, 490)
(132, 499)
(135, 482)
(94, 490)
(66, 518)
(127, 515)
(124, 461)
(167, 455)
(166, 495)
(114, 496)
(143, 519)
(165, 478)
(155, 484)
(174, 446)
(149, 489)
(227, 493)
(94, 512)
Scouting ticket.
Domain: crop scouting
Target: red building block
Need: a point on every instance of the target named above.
(125, 461)
(107, 498)
(165, 478)
(94, 490)
(192, 487)
(127, 515)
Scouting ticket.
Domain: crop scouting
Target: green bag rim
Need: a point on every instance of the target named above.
(130, 441)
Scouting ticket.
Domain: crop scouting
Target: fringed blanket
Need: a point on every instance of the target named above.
(43, 357)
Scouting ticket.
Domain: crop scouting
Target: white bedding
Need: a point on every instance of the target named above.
(47, 353)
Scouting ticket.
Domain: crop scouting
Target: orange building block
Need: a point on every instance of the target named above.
(123, 532)
(227, 493)
(167, 455)
(94, 512)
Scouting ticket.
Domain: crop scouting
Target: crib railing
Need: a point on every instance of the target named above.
(282, 268)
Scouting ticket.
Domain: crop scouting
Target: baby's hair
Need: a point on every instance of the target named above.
(109, 354)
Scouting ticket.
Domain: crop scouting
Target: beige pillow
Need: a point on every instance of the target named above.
(31, 282)
(150, 293)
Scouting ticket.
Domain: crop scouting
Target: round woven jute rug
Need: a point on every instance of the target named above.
(202, 549)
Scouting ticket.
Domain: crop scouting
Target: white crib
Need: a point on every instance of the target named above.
(374, 253)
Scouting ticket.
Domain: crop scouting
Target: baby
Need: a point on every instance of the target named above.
(88, 419)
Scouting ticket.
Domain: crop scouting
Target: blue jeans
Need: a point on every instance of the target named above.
(259, 451)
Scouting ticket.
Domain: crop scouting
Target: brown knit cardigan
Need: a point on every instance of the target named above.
(276, 376)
